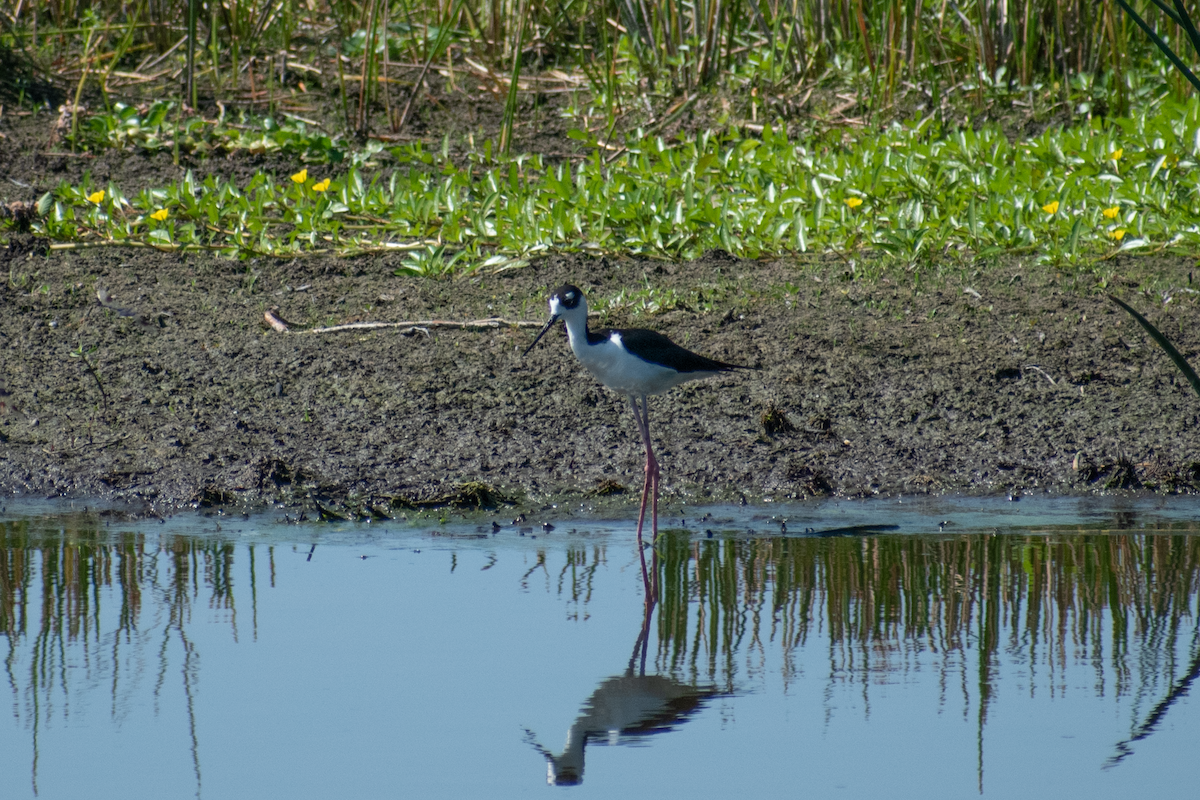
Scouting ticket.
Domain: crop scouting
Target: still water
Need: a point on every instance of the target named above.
(1044, 648)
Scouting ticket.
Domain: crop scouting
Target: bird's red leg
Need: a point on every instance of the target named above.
(648, 485)
(641, 546)
(649, 491)
(652, 476)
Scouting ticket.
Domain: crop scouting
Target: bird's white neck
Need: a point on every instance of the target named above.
(576, 321)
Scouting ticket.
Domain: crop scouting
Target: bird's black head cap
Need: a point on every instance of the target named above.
(565, 297)
(568, 296)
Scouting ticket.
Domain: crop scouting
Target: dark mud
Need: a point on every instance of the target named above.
(994, 378)
(997, 386)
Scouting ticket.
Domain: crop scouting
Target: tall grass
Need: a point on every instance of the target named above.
(672, 46)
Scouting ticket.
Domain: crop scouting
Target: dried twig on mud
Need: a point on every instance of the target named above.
(471, 325)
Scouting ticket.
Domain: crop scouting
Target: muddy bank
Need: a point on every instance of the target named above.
(996, 382)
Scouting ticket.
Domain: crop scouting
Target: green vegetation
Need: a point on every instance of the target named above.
(154, 128)
(782, 170)
(1071, 197)
(1162, 341)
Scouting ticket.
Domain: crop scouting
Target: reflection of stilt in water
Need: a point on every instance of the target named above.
(625, 709)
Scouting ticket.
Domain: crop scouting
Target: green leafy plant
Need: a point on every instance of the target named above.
(1162, 341)
(1071, 197)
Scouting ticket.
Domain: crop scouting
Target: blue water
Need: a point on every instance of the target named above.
(252, 658)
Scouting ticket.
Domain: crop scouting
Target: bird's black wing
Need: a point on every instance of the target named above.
(653, 346)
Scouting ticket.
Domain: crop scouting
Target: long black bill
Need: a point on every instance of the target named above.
(547, 327)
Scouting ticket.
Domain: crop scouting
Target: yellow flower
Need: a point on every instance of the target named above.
(1117, 235)
(854, 202)
(322, 186)
(1051, 207)
(160, 215)
(1115, 155)
(301, 176)
(96, 197)
(1111, 213)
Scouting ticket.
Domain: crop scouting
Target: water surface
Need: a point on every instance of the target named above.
(1043, 647)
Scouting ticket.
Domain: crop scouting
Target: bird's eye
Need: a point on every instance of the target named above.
(570, 295)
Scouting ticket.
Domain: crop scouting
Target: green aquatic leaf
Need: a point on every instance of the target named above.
(1164, 343)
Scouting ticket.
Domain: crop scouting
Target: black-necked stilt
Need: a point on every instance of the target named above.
(625, 708)
(635, 362)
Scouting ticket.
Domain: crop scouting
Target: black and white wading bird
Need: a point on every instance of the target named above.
(636, 363)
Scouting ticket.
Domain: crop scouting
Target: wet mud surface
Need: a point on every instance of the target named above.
(194, 399)
(1003, 378)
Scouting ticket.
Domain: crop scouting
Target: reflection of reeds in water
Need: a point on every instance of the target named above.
(1122, 604)
(72, 564)
(51, 584)
(576, 578)
(1043, 600)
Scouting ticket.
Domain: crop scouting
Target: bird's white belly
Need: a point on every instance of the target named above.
(618, 370)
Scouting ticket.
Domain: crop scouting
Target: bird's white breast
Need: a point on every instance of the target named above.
(623, 372)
